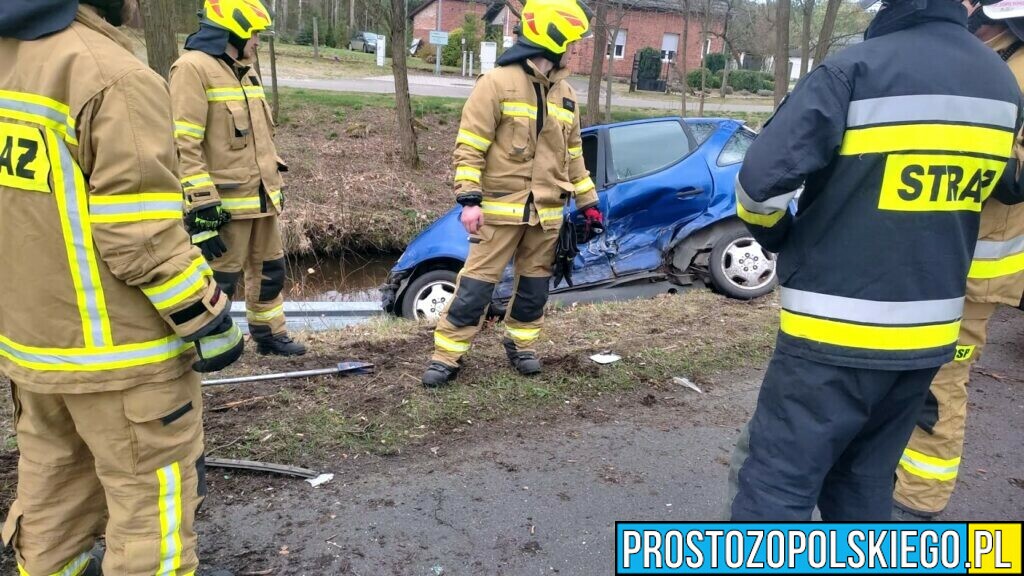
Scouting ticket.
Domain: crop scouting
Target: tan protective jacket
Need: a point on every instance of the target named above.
(225, 134)
(519, 140)
(100, 282)
(997, 272)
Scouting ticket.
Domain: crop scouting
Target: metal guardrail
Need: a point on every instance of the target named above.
(317, 316)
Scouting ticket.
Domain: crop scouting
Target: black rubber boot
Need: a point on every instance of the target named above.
(901, 514)
(278, 345)
(526, 363)
(438, 374)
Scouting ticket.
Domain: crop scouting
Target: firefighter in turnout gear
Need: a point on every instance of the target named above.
(898, 142)
(518, 162)
(107, 307)
(928, 469)
(230, 169)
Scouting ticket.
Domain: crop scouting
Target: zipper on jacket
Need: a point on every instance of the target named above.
(541, 108)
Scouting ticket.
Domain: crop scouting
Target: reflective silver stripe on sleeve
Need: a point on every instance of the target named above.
(871, 311)
(769, 206)
(991, 250)
(932, 107)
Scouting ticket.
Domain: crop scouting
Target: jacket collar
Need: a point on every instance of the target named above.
(548, 80)
(1004, 40)
(88, 16)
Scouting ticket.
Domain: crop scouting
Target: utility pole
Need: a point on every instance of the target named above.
(437, 64)
(316, 38)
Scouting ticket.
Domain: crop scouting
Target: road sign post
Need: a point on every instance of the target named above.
(438, 39)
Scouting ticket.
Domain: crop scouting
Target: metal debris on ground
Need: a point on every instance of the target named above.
(319, 480)
(261, 467)
(606, 357)
(437, 570)
(686, 382)
(343, 368)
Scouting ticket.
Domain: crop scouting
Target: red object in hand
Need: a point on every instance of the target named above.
(592, 214)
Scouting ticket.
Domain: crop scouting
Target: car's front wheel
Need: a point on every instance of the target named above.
(428, 295)
(740, 267)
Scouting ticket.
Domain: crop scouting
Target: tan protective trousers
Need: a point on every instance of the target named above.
(254, 247)
(128, 464)
(927, 473)
(533, 249)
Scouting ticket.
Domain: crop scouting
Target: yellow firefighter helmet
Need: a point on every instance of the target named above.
(243, 18)
(554, 24)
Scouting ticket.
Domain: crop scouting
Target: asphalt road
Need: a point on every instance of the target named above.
(461, 87)
(542, 499)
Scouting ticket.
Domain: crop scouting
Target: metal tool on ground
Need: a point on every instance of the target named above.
(344, 368)
(253, 466)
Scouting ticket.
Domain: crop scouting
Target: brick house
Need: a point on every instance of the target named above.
(656, 24)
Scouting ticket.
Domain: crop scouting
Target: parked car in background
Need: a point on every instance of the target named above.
(667, 189)
(363, 42)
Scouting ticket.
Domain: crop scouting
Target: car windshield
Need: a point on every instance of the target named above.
(370, 36)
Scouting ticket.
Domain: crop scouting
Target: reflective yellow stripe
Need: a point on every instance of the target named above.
(72, 568)
(136, 207)
(467, 174)
(473, 140)
(204, 236)
(265, 316)
(938, 137)
(987, 269)
(561, 113)
(73, 208)
(524, 335)
(869, 337)
(276, 197)
(448, 345)
(39, 110)
(254, 91)
(181, 287)
(240, 204)
(763, 220)
(196, 181)
(218, 344)
(576, 152)
(182, 128)
(585, 185)
(929, 467)
(547, 214)
(169, 504)
(225, 94)
(964, 353)
(92, 359)
(502, 209)
(519, 110)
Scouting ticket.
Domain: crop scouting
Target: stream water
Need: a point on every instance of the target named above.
(349, 277)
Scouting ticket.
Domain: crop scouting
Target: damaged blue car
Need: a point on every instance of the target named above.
(667, 192)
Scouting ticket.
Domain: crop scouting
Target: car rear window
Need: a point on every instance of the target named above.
(735, 150)
(702, 130)
(641, 149)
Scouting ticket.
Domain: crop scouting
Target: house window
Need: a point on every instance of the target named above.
(669, 47)
(620, 45)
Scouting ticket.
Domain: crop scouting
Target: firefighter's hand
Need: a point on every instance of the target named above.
(211, 244)
(220, 348)
(472, 218)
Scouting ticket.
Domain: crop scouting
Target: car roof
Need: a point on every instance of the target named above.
(642, 121)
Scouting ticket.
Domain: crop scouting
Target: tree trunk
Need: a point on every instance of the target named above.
(705, 22)
(351, 18)
(727, 50)
(611, 65)
(805, 39)
(597, 63)
(161, 42)
(403, 101)
(781, 51)
(827, 28)
(685, 55)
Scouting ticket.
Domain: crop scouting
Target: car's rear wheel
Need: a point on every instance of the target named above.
(428, 295)
(740, 267)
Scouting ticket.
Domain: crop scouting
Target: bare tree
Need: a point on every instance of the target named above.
(684, 57)
(705, 24)
(393, 14)
(827, 29)
(781, 51)
(805, 38)
(161, 42)
(597, 62)
(618, 9)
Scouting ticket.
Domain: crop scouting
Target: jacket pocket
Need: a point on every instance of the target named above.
(241, 126)
(164, 421)
(519, 145)
(230, 178)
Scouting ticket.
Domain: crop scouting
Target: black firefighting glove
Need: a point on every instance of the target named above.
(204, 225)
(220, 347)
